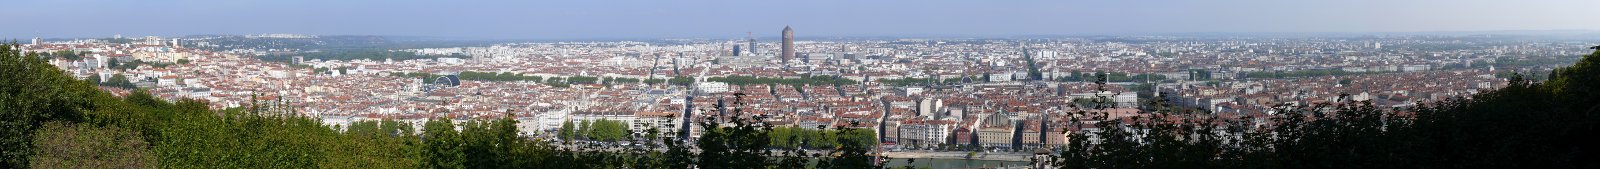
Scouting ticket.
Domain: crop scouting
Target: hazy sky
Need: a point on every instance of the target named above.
(816, 18)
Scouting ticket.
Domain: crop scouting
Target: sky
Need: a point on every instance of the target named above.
(579, 19)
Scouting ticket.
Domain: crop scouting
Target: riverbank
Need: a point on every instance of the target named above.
(961, 156)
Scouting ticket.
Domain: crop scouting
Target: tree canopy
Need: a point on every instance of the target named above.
(1524, 125)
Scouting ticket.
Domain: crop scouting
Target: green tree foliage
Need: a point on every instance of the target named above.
(426, 77)
(118, 81)
(742, 145)
(34, 93)
(681, 80)
(1112, 77)
(568, 131)
(1527, 124)
(93, 79)
(557, 82)
(624, 80)
(67, 54)
(853, 149)
(1302, 73)
(119, 65)
(653, 81)
(810, 80)
(443, 145)
(910, 81)
(113, 63)
(1033, 66)
(608, 130)
(808, 138)
(118, 40)
(269, 134)
(64, 54)
(65, 145)
(583, 129)
(489, 76)
(375, 144)
(1075, 76)
(484, 144)
(1524, 125)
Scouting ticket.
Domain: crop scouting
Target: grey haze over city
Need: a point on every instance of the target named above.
(497, 19)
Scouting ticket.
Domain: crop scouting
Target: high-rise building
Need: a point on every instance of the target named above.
(788, 44)
(752, 46)
(38, 41)
(735, 50)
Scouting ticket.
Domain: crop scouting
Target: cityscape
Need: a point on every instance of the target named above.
(770, 96)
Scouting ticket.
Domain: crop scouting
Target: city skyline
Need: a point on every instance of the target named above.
(843, 84)
(650, 20)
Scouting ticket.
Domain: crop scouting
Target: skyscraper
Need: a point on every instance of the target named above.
(736, 50)
(37, 41)
(752, 46)
(788, 44)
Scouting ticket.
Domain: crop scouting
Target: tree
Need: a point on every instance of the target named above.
(119, 81)
(67, 54)
(681, 80)
(93, 79)
(443, 145)
(1524, 125)
(1033, 67)
(65, 145)
(853, 148)
(567, 131)
(35, 93)
(607, 130)
(583, 129)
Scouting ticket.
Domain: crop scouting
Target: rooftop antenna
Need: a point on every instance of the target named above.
(751, 39)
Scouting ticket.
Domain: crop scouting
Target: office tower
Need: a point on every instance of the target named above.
(736, 50)
(752, 46)
(37, 41)
(788, 44)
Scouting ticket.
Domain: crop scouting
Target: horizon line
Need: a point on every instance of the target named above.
(917, 35)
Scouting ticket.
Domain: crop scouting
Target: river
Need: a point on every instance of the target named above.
(956, 163)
